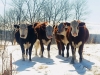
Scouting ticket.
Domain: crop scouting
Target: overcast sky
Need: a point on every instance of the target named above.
(93, 6)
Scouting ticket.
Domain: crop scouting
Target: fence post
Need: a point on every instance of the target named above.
(11, 63)
(2, 63)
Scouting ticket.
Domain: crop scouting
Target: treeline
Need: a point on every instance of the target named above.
(44, 10)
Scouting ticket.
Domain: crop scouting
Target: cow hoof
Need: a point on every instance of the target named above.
(23, 59)
(62, 55)
(30, 59)
(67, 56)
(72, 62)
(48, 56)
(41, 56)
(59, 53)
(80, 61)
(36, 55)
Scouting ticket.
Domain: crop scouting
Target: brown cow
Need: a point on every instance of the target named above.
(60, 33)
(45, 33)
(78, 36)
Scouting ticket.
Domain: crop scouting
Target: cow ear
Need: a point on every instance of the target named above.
(68, 24)
(30, 26)
(35, 24)
(54, 26)
(16, 26)
(82, 24)
(65, 24)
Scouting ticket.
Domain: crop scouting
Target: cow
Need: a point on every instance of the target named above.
(78, 36)
(44, 32)
(60, 33)
(16, 28)
(25, 37)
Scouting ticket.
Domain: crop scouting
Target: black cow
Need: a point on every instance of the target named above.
(26, 38)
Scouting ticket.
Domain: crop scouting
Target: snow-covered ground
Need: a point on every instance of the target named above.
(57, 65)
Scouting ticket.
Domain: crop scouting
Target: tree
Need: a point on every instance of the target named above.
(67, 10)
(18, 5)
(80, 9)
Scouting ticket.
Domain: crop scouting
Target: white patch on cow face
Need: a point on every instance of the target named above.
(76, 45)
(46, 42)
(49, 31)
(74, 28)
(27, 45)
(23, 31)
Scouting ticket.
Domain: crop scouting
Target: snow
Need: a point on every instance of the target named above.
(57, 65)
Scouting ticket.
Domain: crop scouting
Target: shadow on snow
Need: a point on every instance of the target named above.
(22, 65)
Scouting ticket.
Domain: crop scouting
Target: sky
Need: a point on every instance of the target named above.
(93, 6)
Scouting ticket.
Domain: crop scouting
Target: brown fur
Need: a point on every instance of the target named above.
(40, 28)
(83, 35)
(58, 39)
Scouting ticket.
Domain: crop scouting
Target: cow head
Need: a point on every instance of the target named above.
(62, 28)
(16, 28)
(74, 28)
(49, 31)
(23, 30)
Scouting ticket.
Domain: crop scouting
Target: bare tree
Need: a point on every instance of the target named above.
(46, 10)
(18, 5)
(57, 11)
(67, 10)
(4, 3)
(80, 7)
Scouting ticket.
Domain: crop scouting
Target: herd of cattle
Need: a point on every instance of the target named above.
(73, 34)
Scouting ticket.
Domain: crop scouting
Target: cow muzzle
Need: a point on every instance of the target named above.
(22, 35)
(74, 34)
(49, 37)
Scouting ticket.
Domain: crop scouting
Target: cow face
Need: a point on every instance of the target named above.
(61, 28)
(74, 28)
(49, 31)
(23, 29)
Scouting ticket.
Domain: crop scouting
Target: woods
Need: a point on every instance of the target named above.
(44, 10)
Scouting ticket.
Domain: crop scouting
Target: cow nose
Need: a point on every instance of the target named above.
(74, 34)
(22, 35)
(50, 36)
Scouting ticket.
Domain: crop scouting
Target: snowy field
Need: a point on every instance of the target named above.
(57, 65)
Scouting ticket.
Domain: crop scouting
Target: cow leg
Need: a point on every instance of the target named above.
(59, 47)
(26, 53)
(48, 48)
(23, 52)
(63, 48)
(30, 52)
(73, 55)
(80, 53)
(67, 47)
(42, 49)
(36, 46)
